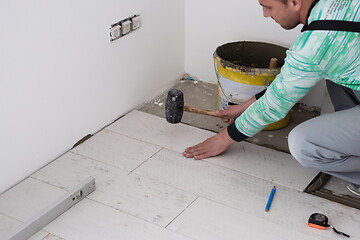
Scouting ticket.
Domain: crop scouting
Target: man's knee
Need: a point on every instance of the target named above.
(299, 146)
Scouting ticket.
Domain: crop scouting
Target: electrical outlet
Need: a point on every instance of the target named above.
(136, 22)
(115, 32)
(126, 27)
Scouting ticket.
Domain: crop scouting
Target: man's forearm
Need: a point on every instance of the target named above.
(234, 134)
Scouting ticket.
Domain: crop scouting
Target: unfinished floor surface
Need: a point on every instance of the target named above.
(146, 189)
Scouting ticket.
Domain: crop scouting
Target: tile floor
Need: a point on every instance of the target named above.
(145, 189)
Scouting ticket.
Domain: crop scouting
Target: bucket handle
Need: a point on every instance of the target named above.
(220, 87)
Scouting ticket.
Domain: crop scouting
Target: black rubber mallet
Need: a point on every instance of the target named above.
(174, 107)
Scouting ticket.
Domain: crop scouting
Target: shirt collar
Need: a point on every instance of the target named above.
(311, 7)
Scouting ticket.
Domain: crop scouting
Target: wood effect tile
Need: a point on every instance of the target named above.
(248, 194)
(156, 130)
(147, 199)
(9, 225)
(90, 220)
(116, 150)
(205, 219)
(71, 169)
(274, 166)
(28, 198)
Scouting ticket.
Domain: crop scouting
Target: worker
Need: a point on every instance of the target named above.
(329, 50)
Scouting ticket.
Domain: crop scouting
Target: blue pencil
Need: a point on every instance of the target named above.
(267, 208)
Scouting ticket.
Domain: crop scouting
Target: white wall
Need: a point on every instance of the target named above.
(61, 78)
(211, 23)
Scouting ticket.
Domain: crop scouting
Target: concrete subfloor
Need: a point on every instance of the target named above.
(205, 95)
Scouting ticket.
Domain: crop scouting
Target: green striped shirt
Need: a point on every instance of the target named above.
(315, 55)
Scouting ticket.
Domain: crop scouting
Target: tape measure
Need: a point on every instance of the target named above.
(320, 221)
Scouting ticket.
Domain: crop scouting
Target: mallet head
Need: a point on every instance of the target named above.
(174, 106)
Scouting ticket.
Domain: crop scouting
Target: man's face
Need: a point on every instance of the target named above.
(286, 15)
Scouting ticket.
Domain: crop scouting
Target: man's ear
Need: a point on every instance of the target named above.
(296, 4)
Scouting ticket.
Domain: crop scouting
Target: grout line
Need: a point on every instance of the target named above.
(93, 159)
(166, 184)
(124, 212)
(145, 161)
(143, 219)
(134, 138)
(13, 218)
(182, 211)
(252, 175)
(144, 141)
(50, 184)
(49, 234)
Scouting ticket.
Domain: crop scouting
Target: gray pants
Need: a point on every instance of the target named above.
(330, 143)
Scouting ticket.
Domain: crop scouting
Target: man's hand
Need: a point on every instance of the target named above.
(234, 111)
(222, 141)
(211, 147)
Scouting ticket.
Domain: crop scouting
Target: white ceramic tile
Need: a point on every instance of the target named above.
(28, 198)
(9, 225)
(24, 201)
(90, 220)
(249, 194)
(116, 150)
(265, 163)
(156, 130)
(138, 196)
(205, 179)
(71, 169)
(205, 219)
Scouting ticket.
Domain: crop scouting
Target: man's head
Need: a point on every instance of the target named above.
(287, 13)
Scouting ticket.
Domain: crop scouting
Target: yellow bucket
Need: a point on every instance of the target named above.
(242, 70)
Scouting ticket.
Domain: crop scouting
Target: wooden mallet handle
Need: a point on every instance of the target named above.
(203, 111)
(273, 63)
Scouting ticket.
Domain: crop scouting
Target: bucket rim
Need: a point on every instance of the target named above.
(245, 69)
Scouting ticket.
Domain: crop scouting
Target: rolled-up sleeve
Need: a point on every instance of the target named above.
(297, 77)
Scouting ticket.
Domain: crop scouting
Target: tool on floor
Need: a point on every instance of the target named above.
(174, 107)
(50, 213)
(320, 221)
(268, 204)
